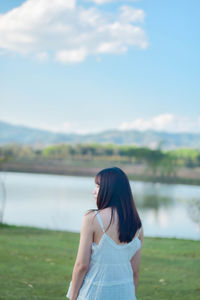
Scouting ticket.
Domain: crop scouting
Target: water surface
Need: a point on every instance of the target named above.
(59, 202)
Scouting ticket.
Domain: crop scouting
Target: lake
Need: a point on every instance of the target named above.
(59, 202)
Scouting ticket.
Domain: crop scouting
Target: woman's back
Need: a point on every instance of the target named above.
(110, 274)
(112, 231)
(107, 264)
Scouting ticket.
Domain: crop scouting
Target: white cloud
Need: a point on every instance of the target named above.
(64, 127)
(131, 14)
(68, 127)
(99, 1)
(108, 1)
(42, 56)
(164, 122)
(76, 55)
(68, 32)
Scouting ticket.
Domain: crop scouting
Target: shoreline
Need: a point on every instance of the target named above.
(26, 227)
(70, 170)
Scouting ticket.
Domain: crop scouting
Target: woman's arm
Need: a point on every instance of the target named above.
(135, 261)
(82, 263)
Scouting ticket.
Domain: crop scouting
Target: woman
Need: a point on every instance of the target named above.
(107, 263)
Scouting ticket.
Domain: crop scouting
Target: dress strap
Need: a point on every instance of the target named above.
(99, 219)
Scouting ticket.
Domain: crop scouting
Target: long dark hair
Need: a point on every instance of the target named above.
(115, 192)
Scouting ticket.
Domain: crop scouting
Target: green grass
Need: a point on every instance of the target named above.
(37, 264)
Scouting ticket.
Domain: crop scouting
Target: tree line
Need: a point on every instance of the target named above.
(167, 161)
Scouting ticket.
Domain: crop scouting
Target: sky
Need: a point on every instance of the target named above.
(86, 66)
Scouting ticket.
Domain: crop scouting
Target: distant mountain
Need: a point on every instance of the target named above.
(35, 137)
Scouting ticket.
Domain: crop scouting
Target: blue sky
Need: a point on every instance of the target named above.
(88, 66)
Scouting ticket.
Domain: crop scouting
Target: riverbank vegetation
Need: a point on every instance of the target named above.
(38, 263)
(140, 163)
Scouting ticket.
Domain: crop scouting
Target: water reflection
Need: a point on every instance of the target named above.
(153, 201)
(193, 208)
(150, 197)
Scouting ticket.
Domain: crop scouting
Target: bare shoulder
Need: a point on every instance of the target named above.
(89, 217)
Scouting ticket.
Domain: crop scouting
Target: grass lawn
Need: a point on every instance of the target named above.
(37, 264)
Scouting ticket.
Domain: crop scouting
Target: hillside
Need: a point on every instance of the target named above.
(24, 135)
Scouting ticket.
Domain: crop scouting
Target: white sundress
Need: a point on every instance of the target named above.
(110, 274)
